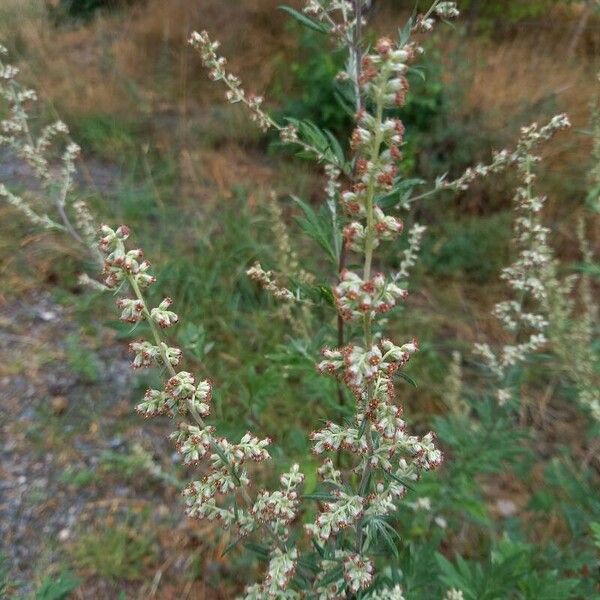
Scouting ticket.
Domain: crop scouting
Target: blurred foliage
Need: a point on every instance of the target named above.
(304, 86)
(120, 552)
(4, 580)
(508, 10)
(84, 9)
(454, 248)
(82, 360)
(58, 588)
(107, 136)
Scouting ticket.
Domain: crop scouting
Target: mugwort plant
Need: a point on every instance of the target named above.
(54, 206)
(334, 542)
(369, 460)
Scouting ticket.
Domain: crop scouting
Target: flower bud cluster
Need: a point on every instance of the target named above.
(534, 268)
(385, 228)
(376, 437)
(279, 508)
(503, 159)
(354, 297)
(338, 16)
(266, 281)
(358, 571)
(442, 10)
(147, 354)
(447, 10)
(394, 593)
(235, 93)
(358, 367)
(57, 208)
(454, 594)
(410, 254)
(182, 394)
(341, 512)
(120, 263)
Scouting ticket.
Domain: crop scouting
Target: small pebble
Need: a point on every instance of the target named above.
(46, 315)
(59, 405)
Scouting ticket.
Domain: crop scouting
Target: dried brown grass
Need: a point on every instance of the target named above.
(138, 59)
(136, 62)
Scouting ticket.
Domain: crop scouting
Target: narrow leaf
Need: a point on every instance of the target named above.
(304, 20)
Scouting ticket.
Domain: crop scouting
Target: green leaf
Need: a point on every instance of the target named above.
(398, 480)
(406, 378)
(384, 531)
(344, 103)
(304, 20)
(323, 141)
(59, 588)
(335, 147)
(315, 227)
(595, 527)
(405, 32)
(401, 193)
(231, 546)
(258, 549)
(326, 293)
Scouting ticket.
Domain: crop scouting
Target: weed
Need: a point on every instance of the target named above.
(82, 360)
(120, 552)
(57, 588)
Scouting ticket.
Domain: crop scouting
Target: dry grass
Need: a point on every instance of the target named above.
(138, 59)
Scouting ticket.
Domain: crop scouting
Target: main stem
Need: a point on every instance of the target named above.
(355, 44)
(367, 323)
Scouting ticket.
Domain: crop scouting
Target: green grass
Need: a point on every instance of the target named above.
(82, 360)
(57, 588)
(120, 552)
(79, 478)
(475, 248)
(107, 136)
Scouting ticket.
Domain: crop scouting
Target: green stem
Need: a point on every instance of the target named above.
(158, 341)
(367, 323)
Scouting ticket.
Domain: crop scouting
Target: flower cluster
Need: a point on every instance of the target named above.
(410, 254)
(358, 366)
(343, 510)
(37, 150)
(266, 281)
(525, 316)
(236, 94)
(381, 451)
(182, 395)
(355, 298)
(376, 437)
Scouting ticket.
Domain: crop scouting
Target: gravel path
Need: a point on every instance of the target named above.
(57, 422)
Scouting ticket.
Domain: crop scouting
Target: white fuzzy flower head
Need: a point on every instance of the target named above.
(447, 10)
(454, 594)
(356, 298)
(358, 572)
(339, 514)
(281, 569)
(394, 593)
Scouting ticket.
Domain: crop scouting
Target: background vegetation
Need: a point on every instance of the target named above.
(89, 506)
